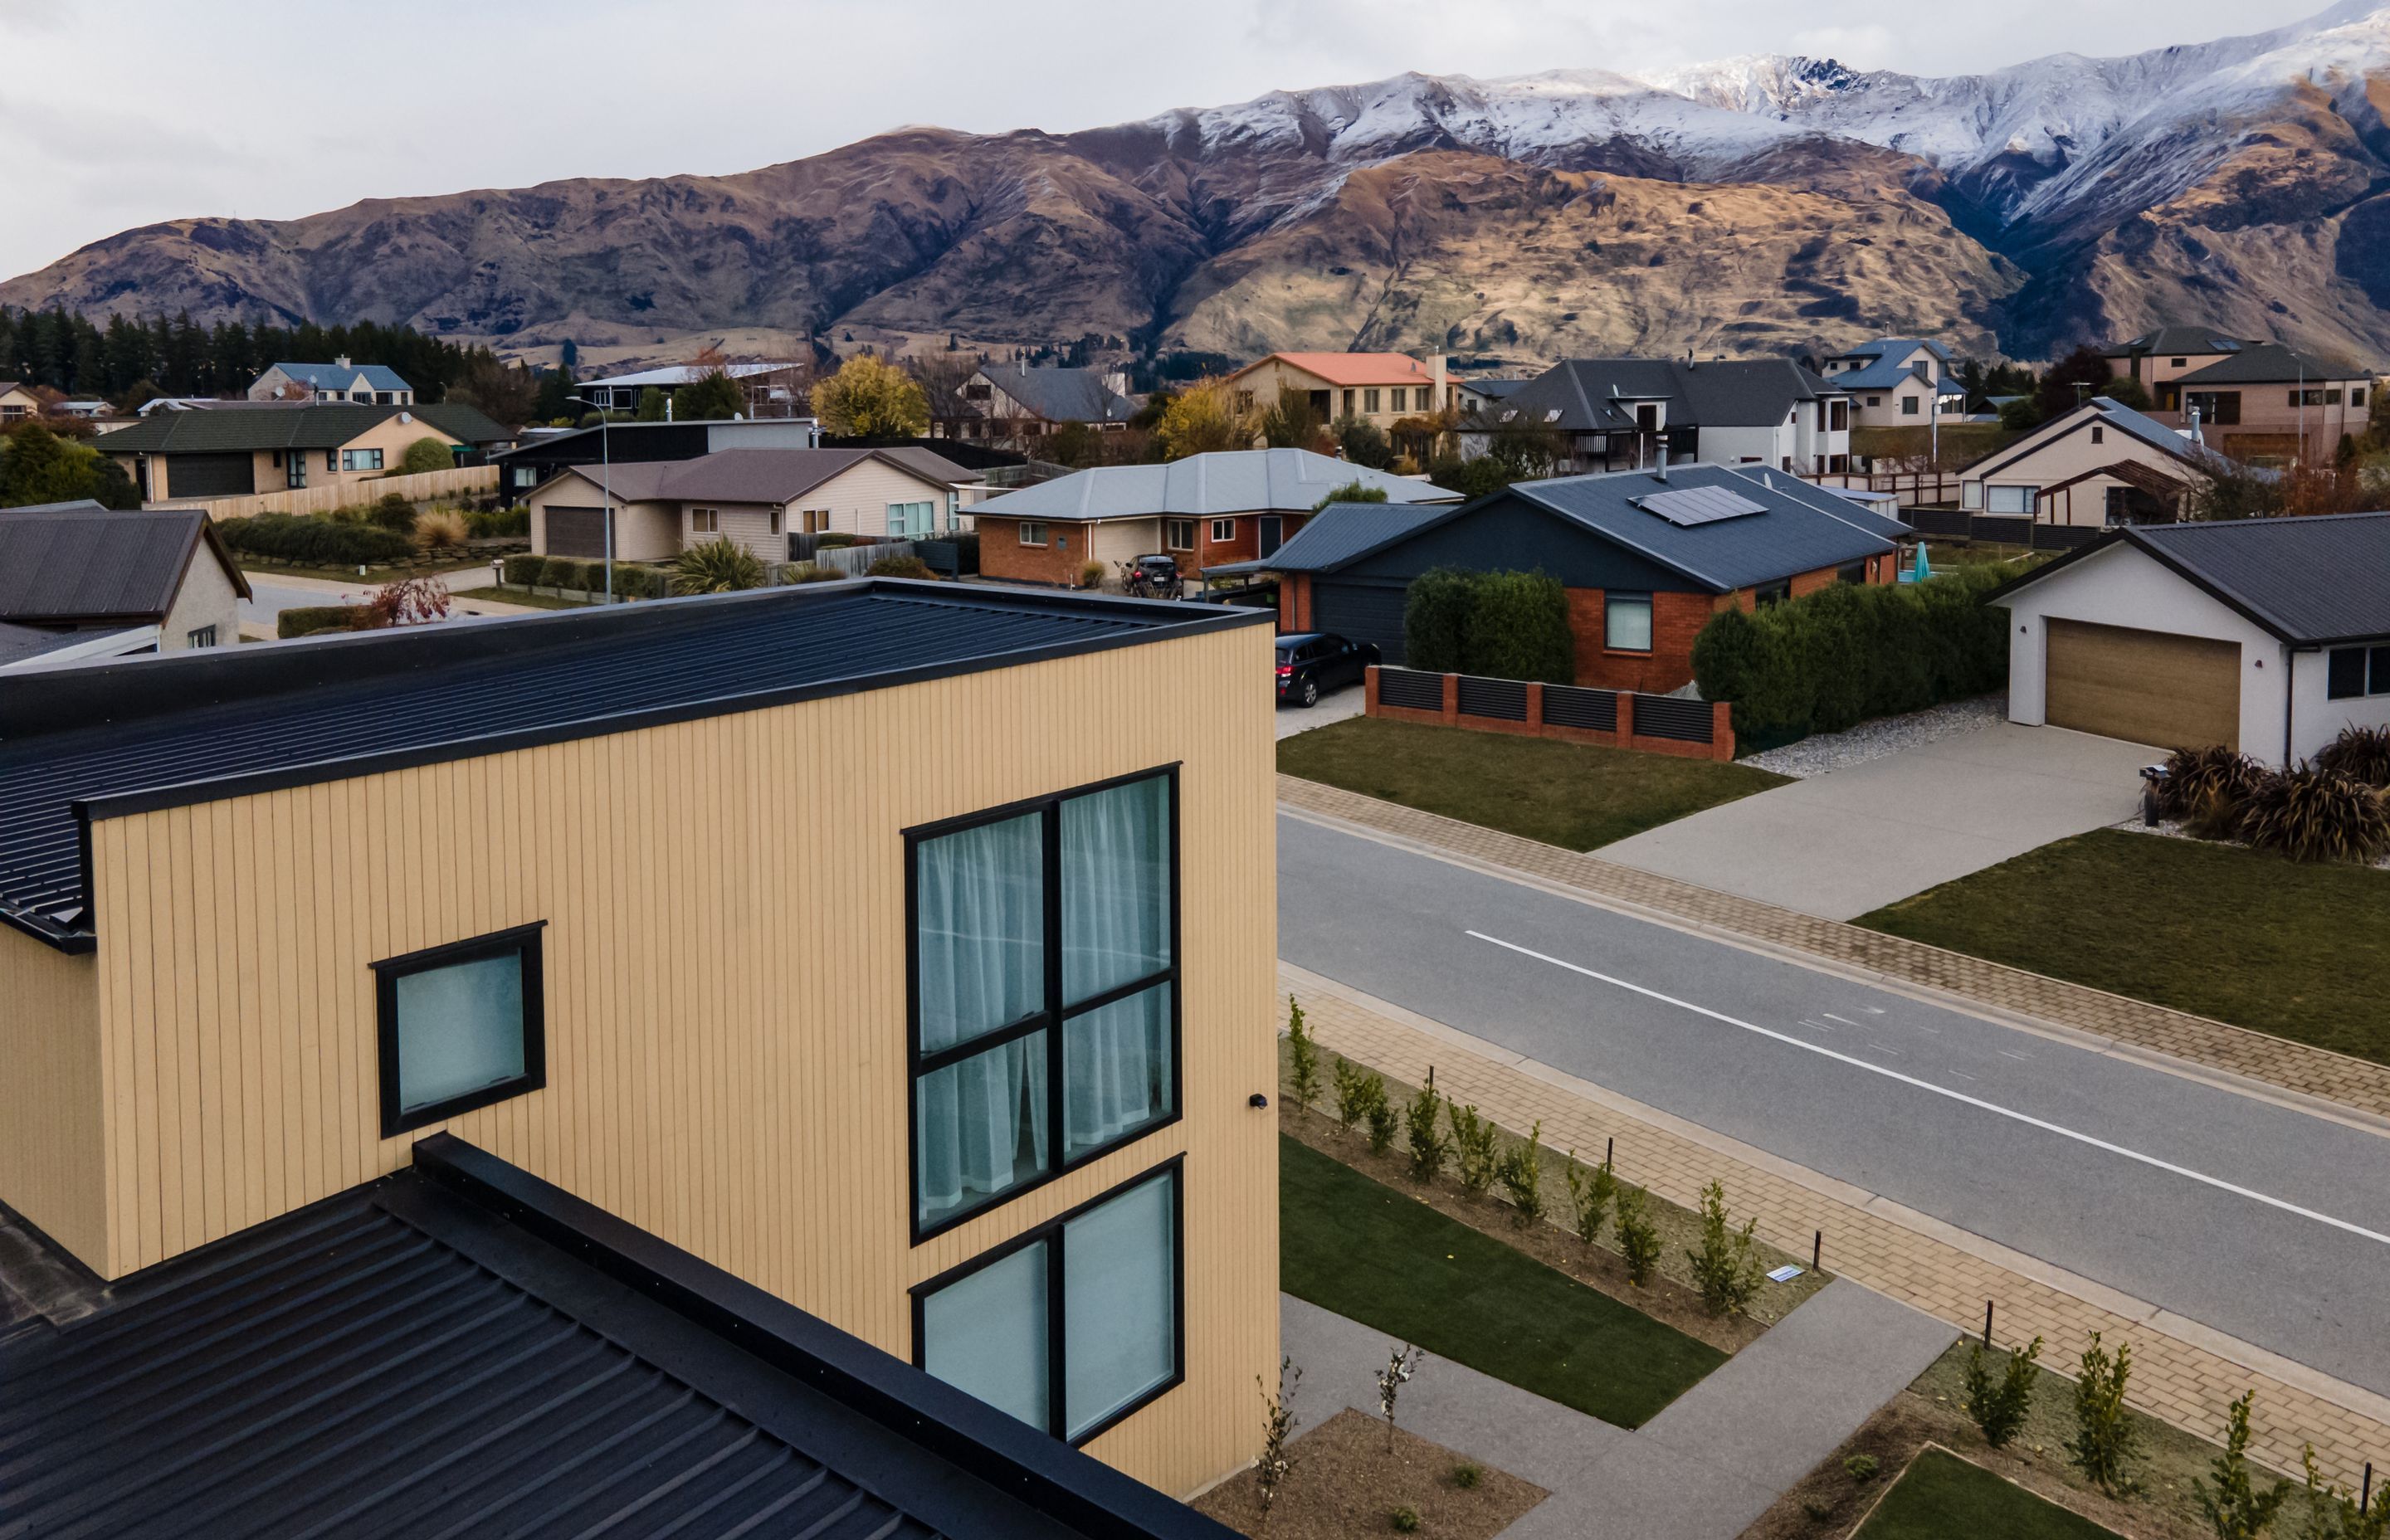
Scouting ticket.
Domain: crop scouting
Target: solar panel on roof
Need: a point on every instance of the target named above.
(1690, 505)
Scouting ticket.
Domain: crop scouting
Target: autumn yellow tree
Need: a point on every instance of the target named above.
(867, 399)
(1203, 417)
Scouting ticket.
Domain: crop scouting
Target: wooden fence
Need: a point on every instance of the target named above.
(426, 486)
(1620, 719)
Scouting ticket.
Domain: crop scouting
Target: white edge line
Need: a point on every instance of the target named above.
(2025, 1118)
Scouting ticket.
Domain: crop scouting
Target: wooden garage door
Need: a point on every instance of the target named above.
(576, 531)
(2144, 687)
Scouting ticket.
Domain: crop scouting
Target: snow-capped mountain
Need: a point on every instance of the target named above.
(1766, 203)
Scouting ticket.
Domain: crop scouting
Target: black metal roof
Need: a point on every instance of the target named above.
(80, 563)
(305, 426)
(192, 726)
(2309, 581)
(463, 1349)
(1343, 532)
(2270, 364)
(1591, 395)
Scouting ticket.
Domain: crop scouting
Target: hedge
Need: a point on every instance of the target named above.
(1842, 655)
(524, 569)
(306, 619)
(499, 523)
(1499, 626)
(321, 542)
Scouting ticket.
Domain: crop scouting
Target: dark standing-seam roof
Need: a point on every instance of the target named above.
(79, 564)
(753, 475)
(401, 1360)
(1594, 395)
(1062, 396)
(317, 710)
(2324, 577)
(2269, 364)
(323, 426)
(1343, 532)
(1790, 536)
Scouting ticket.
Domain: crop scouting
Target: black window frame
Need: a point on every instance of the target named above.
(2372, 661)
(1650, 614)
(523, 939)
(1851, 572)
(1058, 1409)
(1766, 594)
(1047, 1020)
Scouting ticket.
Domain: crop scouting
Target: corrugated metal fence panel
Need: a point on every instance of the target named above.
(1504, 700)
(2016, 532)
(1573, 706)
(1950, 523)
(941, 557)
(1667, 716)
(2063, 537)
(1411, 689)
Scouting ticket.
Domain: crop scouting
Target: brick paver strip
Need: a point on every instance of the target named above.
(2182, 1372)
(2353, 1082)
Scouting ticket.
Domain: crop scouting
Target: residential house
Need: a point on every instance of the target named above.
(744, 1003)
(1647, 557)
(2099, 465)
(1377, 388)
(2268, 404)
(87, 581)
(543, 453)
(773, 389)
(1015, 402)
(2266, 636)
(362, 384)
(1618, 414)
(756, 498)
(1205, 510)
(2167, 354)
(1475, 398)
(18, 401)
(238, 448)
(1898, 383)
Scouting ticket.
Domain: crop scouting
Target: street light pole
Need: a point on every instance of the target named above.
(605, 488)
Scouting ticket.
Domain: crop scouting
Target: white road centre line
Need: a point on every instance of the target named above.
(1962, 1096)
(1843, 1019)
(1880, 1048)
(2012, 1053)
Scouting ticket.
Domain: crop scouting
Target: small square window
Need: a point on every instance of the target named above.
(2344, 673)
(460, 1026)
(1223, 531)
(704, 520)
(1626, 622)
(1179, 534)
(1032, 532)
(203, 636)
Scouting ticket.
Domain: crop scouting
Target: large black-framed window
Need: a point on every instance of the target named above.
(1042, 974)
(461, 1026)
(2354, 671)
(1074, 1325)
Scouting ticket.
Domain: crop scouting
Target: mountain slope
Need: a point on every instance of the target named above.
(1756, 204)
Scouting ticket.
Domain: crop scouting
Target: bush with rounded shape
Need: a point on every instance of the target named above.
(1091, 574)
(2312, 814)
(523, 567)
(867, 399)
(393, 512)
(1518, 628)
(2210, 782)
(914, 566)
(426, 453)
(1435, 619)
(2360, 754)
(307, 619)
(1404, 1519)
(440, 528)
(561, 571)
(806, 572)
(834, 541)
(717, 567)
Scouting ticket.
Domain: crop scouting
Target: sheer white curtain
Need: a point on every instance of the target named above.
(981, 935)
(1116, 930)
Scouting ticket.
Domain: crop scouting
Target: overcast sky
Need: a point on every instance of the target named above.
(123, 112)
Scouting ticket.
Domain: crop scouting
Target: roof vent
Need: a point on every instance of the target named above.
(1660, 468)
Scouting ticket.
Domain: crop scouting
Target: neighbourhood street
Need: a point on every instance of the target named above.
(2254, 1219)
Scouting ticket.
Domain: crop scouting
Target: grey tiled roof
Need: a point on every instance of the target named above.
(2318, 579)
(337, 376)
(81, 563)
(2269, 364)
(326, 425)
(1795, 534)
(1062, 395)
(1342, 532)
(1592, 395)
(754, 475)
(2179, 340)
(1231, 481)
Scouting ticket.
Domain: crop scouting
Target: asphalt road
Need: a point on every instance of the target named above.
(2255, 1219)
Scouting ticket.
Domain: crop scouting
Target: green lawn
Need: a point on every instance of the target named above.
(1941, 1496)
(2301, 950)
(529, 600)
(1364, 1250)
(258, 567)
(1572, 795)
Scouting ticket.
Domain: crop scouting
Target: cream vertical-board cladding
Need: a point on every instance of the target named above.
(54, 1159)
(725, 990)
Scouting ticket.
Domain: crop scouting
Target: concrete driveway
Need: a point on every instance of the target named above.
(1838, 845)
(1346, 702)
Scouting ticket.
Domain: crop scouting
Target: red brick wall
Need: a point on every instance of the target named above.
(1001, 554)
(1676, 618)
(1294, 602)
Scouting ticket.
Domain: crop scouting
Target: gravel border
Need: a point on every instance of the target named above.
(2167, 828)
(1822, 754)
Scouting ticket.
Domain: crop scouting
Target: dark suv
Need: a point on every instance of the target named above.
(1311, 663)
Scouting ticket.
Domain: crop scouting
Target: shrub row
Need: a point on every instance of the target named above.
(632, 580)
(500, 523)
(325, 541)
(1829, 660)
(307, 619)
(2316, 812)
(1500, 625)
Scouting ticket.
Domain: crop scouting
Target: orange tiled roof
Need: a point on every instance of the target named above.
(1354, 369)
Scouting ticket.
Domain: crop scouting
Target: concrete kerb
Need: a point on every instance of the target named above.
(2359, 1118)
(2022, 1272)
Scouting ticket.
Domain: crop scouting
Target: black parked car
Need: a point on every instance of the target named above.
(1311, 663)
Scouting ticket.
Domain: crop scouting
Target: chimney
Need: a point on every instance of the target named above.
(1660, 467)
(342, 362)
(1435, 368)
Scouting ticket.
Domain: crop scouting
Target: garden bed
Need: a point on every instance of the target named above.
(1575, 796)
(1349, 1479)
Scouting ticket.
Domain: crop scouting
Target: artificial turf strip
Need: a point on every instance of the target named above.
(2300, 950)
(1366, 1251)
(1573, 795)
(1941, 1496)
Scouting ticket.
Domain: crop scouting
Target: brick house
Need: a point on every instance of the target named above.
(1205, 510)
(1647, 557)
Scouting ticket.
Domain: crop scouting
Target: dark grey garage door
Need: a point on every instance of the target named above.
(1361, 612)
(576, 531)
(209, 476)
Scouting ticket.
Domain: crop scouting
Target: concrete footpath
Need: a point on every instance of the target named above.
(1703, 1470)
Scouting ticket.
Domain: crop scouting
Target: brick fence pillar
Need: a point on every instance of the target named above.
(1721, 730)
(1626, 719)
(1370, 692)
(1452, 700)
(1534, 708)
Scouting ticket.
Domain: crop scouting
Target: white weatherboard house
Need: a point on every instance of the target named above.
(2269, 635)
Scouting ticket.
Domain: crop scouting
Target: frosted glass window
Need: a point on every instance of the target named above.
(1120, 1302)
(461, 1026)
(1115, 887)
(1626, 622)
(986, 1333)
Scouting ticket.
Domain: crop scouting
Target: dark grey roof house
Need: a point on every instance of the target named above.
(1017, 402)
(1619, 414)
(79, 582)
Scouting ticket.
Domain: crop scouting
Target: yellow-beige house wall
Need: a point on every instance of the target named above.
(726, 991)
(269, 469)
(53, 1144)
(206, 599)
